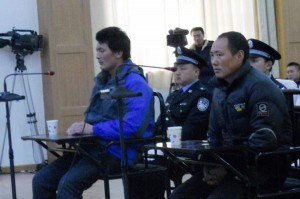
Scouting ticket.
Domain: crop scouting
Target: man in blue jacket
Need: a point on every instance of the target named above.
(68, 177)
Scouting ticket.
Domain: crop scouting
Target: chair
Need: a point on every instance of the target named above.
(142, 168)
(294, 113)
(291, 186)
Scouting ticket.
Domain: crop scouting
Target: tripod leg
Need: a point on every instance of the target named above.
(31, 116)
(11, 154)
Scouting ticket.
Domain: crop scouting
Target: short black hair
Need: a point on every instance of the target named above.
(197, 29)
(116, 39)
(296, 64)
(236, 42)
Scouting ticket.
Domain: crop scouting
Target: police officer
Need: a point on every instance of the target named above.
(189, 106)
(262, 57)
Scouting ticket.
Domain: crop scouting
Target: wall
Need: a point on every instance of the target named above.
(21, 15)
(288, 32)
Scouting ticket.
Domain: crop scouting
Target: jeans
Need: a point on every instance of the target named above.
(63, 179)
(195, 188)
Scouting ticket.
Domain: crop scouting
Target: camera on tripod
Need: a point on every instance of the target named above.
(23, 44)
(177, 37)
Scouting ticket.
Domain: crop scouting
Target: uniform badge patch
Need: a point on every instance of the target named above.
(262, 109)
(203, 104)
(239, 107)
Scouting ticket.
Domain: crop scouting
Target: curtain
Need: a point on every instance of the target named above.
(267, 27)
(147, 23)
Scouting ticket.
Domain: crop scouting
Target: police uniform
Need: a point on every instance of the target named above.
(261, 49)
(204, 51)
(189, 109)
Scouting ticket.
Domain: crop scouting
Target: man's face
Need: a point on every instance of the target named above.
(198, 37)
(293, 73)
(261, 64)
(223, 61)
(107, 59)
(186, 73)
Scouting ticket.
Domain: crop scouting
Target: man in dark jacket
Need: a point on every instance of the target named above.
(247, 109)
(202, 47)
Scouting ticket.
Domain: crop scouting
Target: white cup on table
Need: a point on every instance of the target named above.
(174, 133)
(52, 126)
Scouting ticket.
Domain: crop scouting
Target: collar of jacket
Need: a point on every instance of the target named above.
(206, 42)
(234, 78)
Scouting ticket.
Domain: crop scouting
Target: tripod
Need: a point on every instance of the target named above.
(9, 97)
(20, 70)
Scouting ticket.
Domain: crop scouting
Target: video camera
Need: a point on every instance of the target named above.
(23, 44)
(177, 37)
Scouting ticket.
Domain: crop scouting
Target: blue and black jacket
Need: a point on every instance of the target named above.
(138, 112)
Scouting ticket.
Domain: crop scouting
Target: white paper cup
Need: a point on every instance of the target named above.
(52, 127)
(174, 133)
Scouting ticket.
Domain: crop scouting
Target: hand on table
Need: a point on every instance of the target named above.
(77, 128)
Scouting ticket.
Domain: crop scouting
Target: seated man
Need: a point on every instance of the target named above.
(189, 106)
(69, 175)
(247, 109)
(262, 57)
(293, 72)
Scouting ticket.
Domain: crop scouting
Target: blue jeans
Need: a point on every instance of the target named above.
(63, 179)
(195, 188)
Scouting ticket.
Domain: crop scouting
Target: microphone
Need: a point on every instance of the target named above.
(49, 73)
(173, 69)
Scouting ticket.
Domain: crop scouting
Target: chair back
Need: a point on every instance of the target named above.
(160, 128)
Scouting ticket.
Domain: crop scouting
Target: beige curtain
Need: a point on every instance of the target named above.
(267, 27)
(147, 22)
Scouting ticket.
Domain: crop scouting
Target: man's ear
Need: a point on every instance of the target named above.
(118, 54)
(240, 55)
(269, 65)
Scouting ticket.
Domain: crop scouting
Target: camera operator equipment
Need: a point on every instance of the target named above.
(176, 37)
(22, 43)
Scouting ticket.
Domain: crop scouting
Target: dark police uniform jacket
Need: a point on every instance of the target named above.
(250, 109)
(190, 110)
(278, 84)
(207, 72)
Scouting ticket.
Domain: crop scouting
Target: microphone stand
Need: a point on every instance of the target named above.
(7, 97)
(119, 93)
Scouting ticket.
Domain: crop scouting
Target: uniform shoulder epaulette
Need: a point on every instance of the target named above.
(202, 87)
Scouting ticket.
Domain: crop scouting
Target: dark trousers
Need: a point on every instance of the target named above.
(195, 188)
(67, 177)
